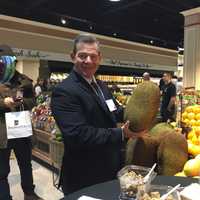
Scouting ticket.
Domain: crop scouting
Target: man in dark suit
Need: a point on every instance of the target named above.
(86, 114)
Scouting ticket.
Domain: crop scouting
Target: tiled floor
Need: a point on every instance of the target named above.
(42, 180)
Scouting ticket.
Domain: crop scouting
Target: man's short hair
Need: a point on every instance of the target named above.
(168, 74)
(84, 38)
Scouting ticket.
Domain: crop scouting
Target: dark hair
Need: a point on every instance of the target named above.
(168, 74)
(84, 38)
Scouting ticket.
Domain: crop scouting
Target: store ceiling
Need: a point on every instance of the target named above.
(156, 22)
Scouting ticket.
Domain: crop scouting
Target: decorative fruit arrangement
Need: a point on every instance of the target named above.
(191, 168)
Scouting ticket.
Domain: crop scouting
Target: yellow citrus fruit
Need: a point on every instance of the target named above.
(197, 116)
(197, 156)
(195, 140)
(195, 150)
(191, 116)
(197, 122)
(192, 167)
(189, 109)
(196, 109)
(192, 122)
(180, 174)
(184, 115)
(191, 134)
(186, 121)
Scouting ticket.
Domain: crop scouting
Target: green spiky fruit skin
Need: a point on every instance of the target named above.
(172, 153)
(159, 128)
(167, 148)
(143, 106)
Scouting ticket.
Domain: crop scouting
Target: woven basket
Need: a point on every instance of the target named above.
(56, 152)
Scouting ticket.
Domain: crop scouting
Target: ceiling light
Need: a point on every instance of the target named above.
(91, 27)
(114, 0)
(180, 49)
(115, 34)
(151, 41)
(63, 21)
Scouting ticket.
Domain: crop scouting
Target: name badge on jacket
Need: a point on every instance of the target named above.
(111, 105)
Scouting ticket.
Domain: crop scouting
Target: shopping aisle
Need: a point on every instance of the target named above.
(42, 180)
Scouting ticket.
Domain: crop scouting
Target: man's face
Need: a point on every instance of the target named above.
(166, 78)
(86, 59)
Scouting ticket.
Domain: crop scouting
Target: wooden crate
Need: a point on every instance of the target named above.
(56, 152)
(41, 148)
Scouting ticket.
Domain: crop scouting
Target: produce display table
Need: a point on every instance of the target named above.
(41, 148)
(111, 190)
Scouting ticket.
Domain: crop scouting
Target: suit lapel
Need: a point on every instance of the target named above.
(85, 86)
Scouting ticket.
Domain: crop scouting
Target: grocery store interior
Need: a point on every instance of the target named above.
(157, 38)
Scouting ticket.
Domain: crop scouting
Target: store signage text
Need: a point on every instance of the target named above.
(128, 64)
(29, 53)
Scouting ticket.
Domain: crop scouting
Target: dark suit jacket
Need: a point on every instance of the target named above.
(92, 141)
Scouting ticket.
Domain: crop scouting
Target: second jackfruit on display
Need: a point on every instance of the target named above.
(162, 144)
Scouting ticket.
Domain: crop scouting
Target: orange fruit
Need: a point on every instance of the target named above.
(192, 167)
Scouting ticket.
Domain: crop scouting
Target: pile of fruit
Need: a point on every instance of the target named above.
(191, 116)
(191, 168)
(42, 119)
(193, 139)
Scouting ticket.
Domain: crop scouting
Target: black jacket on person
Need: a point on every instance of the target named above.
(18, 82)
(92, 141)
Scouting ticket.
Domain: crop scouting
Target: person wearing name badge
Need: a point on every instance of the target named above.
(16, 94)
(87, 115)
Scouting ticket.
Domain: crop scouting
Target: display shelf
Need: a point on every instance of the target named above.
(41, 148)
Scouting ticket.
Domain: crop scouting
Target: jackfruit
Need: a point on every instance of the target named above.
(172, 153)
(143, 106)
(168, 149)
(142, 151)
(161, 128)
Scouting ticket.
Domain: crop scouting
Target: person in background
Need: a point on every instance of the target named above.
(146, 76)
(87, 115)
(168, 98)
(161, 84)
(179, 85)
(15, 89)
(38, 88)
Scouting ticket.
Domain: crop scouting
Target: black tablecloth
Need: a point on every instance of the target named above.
(111, 190)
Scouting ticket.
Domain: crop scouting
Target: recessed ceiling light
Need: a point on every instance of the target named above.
(63, 21)
(114, 0)
(151, 41)
(115, 34)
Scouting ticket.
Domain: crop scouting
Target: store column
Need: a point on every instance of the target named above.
(191, 70)
(29, 68)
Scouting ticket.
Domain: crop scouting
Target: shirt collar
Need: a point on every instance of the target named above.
(88, 80)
